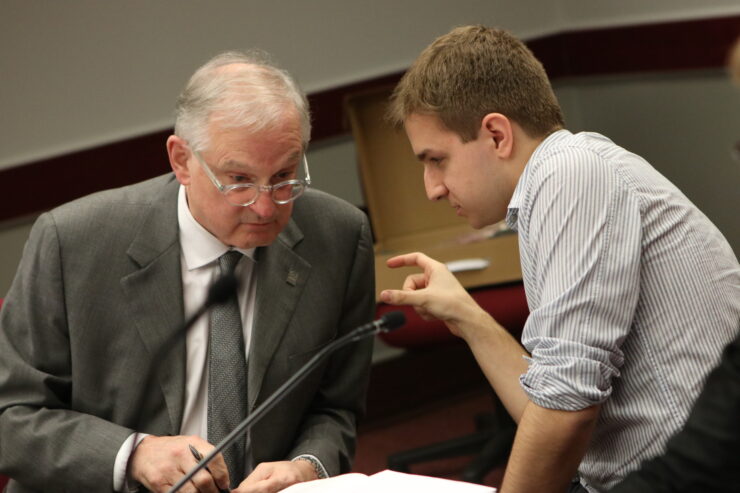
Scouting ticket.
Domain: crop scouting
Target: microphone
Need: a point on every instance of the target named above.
(221, 290)
(224, 288)
(386, 323)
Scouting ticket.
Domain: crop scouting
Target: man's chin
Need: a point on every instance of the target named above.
(253, 240)
(476, 223)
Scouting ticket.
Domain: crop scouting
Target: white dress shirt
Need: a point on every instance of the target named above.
(200, 251)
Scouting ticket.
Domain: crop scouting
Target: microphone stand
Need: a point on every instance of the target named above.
(388, 322)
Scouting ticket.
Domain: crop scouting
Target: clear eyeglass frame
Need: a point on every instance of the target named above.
(295, 187)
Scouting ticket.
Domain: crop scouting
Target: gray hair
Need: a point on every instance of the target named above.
(254, 94)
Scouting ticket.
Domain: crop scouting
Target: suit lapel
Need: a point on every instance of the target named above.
(154, 293)
(281, 277)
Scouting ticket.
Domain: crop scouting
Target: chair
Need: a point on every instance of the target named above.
(3, 479)
(492, 442)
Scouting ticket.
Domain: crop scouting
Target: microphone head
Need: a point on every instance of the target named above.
(224, 288)
(392, 320)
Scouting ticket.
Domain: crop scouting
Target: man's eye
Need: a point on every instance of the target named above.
(435, 161)
(239, 179)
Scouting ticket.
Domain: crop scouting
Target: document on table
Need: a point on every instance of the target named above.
(386, 482)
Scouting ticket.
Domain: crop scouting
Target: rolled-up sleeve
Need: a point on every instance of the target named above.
(569, 375)
(582, 237)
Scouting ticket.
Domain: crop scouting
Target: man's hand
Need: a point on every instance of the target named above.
(159, 462)
(434, 293)
(269, 477)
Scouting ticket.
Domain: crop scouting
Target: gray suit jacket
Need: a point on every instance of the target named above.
(99, 290)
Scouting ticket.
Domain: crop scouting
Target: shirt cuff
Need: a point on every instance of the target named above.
(570, 384)
(316, 463)
(120, 466)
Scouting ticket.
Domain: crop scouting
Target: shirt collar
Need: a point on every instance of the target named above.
(198, 246)
(512, 213)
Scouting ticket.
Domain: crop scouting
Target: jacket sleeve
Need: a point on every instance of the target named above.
(46, 444)
(328, 430)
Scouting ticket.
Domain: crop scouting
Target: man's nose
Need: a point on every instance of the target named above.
(264, 206)
(434, 185)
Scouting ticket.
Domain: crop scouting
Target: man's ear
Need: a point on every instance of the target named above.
(498, 128)
(179, 154)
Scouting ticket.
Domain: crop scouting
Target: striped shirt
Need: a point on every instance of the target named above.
(633, 293)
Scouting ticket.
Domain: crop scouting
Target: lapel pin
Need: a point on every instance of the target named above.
(292, 277)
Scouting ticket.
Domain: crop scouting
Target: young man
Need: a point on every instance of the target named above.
(632, 290)
(106, 281)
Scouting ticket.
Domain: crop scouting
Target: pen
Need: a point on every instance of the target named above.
(199, 458)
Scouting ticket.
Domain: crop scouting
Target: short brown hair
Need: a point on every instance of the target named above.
(472, 71)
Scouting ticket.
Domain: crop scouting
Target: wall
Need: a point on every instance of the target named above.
(685, 125)
(82, 73)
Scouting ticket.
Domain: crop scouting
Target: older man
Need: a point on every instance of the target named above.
(106, 280)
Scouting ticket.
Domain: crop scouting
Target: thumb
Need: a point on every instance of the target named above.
(399, 297)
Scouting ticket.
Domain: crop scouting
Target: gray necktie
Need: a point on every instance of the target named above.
(227, 378)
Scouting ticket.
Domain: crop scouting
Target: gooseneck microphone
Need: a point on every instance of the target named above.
(389, 321)
(220, 291)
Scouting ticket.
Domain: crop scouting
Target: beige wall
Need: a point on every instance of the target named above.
(85, 72)
(685, 125)
(80, 73)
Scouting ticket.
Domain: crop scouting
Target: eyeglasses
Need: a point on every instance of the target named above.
(245, 194)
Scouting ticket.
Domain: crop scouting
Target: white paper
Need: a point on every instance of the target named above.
(387, 482)
(467, 264)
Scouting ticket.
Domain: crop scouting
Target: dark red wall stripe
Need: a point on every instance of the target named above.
(685, 45)
(671, 46)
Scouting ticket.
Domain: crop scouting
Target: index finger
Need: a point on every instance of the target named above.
(200, 478)
(417, 259)
(219, 471)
